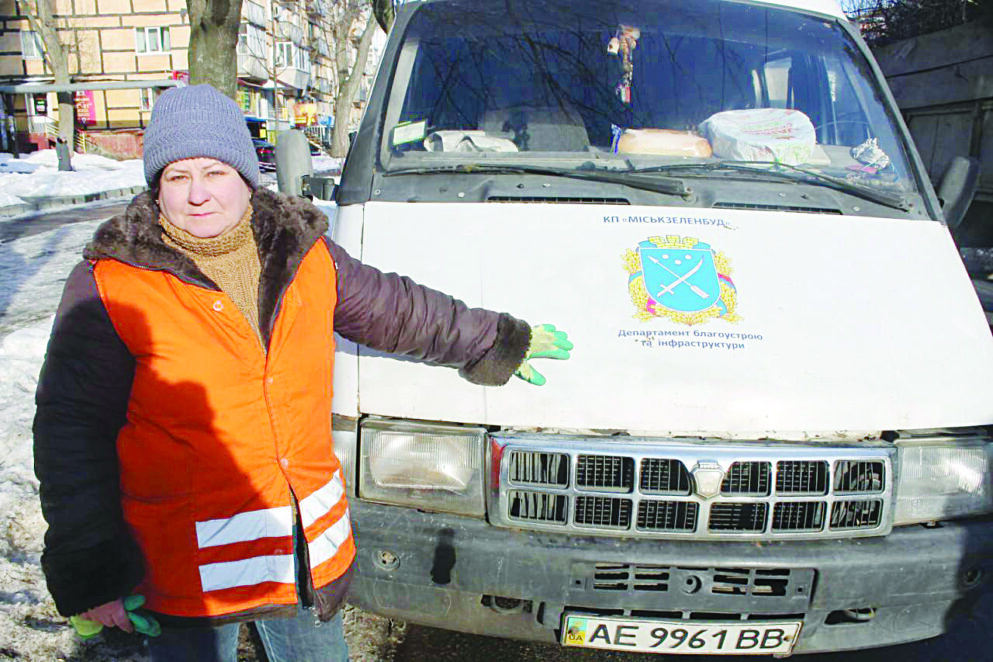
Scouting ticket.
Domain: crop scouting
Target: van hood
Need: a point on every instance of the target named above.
(694, 322)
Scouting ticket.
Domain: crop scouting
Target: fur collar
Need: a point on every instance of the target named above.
(285, 228)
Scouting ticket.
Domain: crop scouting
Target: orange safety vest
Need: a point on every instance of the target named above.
(221, 435)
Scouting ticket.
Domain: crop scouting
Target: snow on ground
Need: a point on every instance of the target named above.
(33, 270)
(91, 174)
(37, 174)
(329, 164)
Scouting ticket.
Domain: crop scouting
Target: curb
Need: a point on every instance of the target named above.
(37, 203)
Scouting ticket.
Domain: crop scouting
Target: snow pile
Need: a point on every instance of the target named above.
(7, 199)
(9, 164)
(49, 159)
(91, 174)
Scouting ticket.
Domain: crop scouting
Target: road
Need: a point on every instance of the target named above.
(969, 641)
(26, 226)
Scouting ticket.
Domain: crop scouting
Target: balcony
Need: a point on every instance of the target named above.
(253, 13)
(293, 77)
(252, 67)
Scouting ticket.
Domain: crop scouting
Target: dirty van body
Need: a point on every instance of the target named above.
(773, 435)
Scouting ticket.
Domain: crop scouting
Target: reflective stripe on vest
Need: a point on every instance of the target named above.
(271, 523)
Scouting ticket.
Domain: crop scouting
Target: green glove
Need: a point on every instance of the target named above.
(84, 628)
(142, 622)
(546, 343)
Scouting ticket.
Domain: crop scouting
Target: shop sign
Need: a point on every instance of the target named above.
(86, 111)
(305, 114)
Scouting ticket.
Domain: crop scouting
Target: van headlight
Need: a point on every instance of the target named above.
(943, 481)
(431, 467)
(344, 433)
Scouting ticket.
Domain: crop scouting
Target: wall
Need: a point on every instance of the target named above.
(943, 83)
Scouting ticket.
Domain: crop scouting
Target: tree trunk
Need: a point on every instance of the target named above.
(214, 43)
(42, 21)
(347, 90)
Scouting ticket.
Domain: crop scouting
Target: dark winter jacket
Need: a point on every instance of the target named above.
(90, 556)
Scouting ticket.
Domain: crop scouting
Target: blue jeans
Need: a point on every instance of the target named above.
(300, 639)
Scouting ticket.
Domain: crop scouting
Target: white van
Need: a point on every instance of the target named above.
(774, 433)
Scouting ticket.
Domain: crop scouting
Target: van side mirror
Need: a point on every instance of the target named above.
(293, 162)
(322, 188)
(958, 186)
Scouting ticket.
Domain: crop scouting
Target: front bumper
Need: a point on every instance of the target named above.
(460, 573)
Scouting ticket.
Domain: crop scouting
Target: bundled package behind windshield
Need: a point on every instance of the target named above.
(762, 134)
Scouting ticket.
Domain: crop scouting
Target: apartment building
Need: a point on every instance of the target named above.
(126, 52)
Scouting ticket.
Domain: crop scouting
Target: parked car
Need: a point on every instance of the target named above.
(775, 433)
(266, 152)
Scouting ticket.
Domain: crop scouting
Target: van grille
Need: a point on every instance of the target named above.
(856, 514)
(738, 517)
(659, 476)
(768, 583)
(538, 507)
(650, 490)
(537, 468)
(747, 479)
(798, 516)
(801, 477)
(603, 512)
(858, 476)
(667, 515)
(605, 472)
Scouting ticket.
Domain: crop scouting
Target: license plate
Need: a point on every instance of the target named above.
(680, 637)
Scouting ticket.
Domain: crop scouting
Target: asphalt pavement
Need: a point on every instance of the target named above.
(25, 226)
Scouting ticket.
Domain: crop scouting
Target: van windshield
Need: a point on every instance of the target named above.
(635, 85)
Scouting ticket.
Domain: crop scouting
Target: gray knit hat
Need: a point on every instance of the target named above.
(194, 121)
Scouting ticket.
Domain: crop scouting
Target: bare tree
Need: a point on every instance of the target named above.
(42, 20)
(262, 60)
(350, 56)
(214, 43)
(885, 21)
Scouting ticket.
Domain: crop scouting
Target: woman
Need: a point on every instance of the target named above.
(182, 436)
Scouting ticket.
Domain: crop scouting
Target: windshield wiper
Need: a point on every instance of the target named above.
(788, 172)
(667, 186)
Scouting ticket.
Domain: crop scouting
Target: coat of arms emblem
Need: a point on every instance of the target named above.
(681, 278)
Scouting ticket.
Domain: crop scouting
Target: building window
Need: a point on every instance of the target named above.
(31, 46)
(284, 54)
(151, 40)
(289, 54)
(148, 97)
(251, 41)
(243, 39)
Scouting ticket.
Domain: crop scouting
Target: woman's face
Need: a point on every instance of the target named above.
(203, 196)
